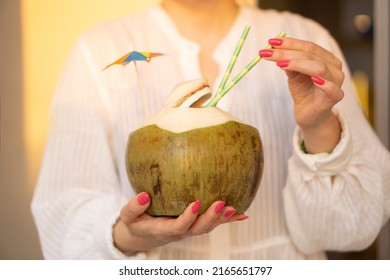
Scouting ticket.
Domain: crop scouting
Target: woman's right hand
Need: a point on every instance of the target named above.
(136, 231)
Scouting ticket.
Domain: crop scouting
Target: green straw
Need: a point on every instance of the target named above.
(233, 59)
(243, 72)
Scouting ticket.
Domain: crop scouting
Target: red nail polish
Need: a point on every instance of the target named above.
(143, 198)
(219, 207)
(196, 207)
(282, 63)
(317, 80)
(243, 218)
(275, 42)
(230, 213)
(266, 53)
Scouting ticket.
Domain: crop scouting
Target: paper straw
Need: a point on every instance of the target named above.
(243, 72)
(233, 59)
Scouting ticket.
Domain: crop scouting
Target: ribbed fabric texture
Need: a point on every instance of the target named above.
(305, 204)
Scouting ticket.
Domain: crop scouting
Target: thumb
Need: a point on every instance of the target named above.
(135, 208)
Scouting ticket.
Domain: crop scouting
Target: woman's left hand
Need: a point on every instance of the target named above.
(315, 78)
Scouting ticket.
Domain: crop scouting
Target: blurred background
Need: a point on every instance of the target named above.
(36, 36)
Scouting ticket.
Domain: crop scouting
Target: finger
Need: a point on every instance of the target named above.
(288, 58)
(305, 47)
(166, 229)
(334, 93)
(135, 208)
(289, 55)
(313, 68)
(237, 218)
(207, 219)
(181, 225)
(228, 218)
(226, 214)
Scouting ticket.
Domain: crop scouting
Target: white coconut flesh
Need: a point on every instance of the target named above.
(183, 111)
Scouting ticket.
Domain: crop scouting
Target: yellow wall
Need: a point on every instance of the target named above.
(49, 28)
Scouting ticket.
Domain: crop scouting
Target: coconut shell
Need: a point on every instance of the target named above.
(218, 162)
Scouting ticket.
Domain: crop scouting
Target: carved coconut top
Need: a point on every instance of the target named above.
(183, 111)
(190, 94)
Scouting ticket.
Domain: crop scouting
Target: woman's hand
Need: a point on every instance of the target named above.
(137, 231)
(315, 77)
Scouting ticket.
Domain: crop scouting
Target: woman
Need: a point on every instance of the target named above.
(326, 182)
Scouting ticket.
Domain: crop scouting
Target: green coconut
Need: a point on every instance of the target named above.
(185, 153)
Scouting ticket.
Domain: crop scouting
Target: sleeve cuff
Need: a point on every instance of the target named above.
(324, 164)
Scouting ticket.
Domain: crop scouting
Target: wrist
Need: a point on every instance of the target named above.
(323, 137)
(122, 239)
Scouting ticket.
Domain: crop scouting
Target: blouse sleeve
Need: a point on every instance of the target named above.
(77, 198)
(339, 201)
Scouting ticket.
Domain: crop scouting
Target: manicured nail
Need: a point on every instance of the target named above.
(282, 63)
(143, 198)
(218, 208)
(317, 80)
(243, 218)
(266, 53)
(196, 207)
(230, 213)
(275, 42)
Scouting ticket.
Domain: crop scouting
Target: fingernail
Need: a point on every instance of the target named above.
(243, 218)
(282, 63)
(317, 80)
(266, 53)
(143, 198)
(219, 207)
(275, 42)
(196, 206)
(230, 213)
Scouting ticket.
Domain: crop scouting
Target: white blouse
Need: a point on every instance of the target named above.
(306, 204)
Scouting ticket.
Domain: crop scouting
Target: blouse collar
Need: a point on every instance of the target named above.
(225, 46)
(188, 51)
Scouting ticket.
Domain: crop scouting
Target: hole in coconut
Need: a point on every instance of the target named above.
(197, 99)
(199, 103)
